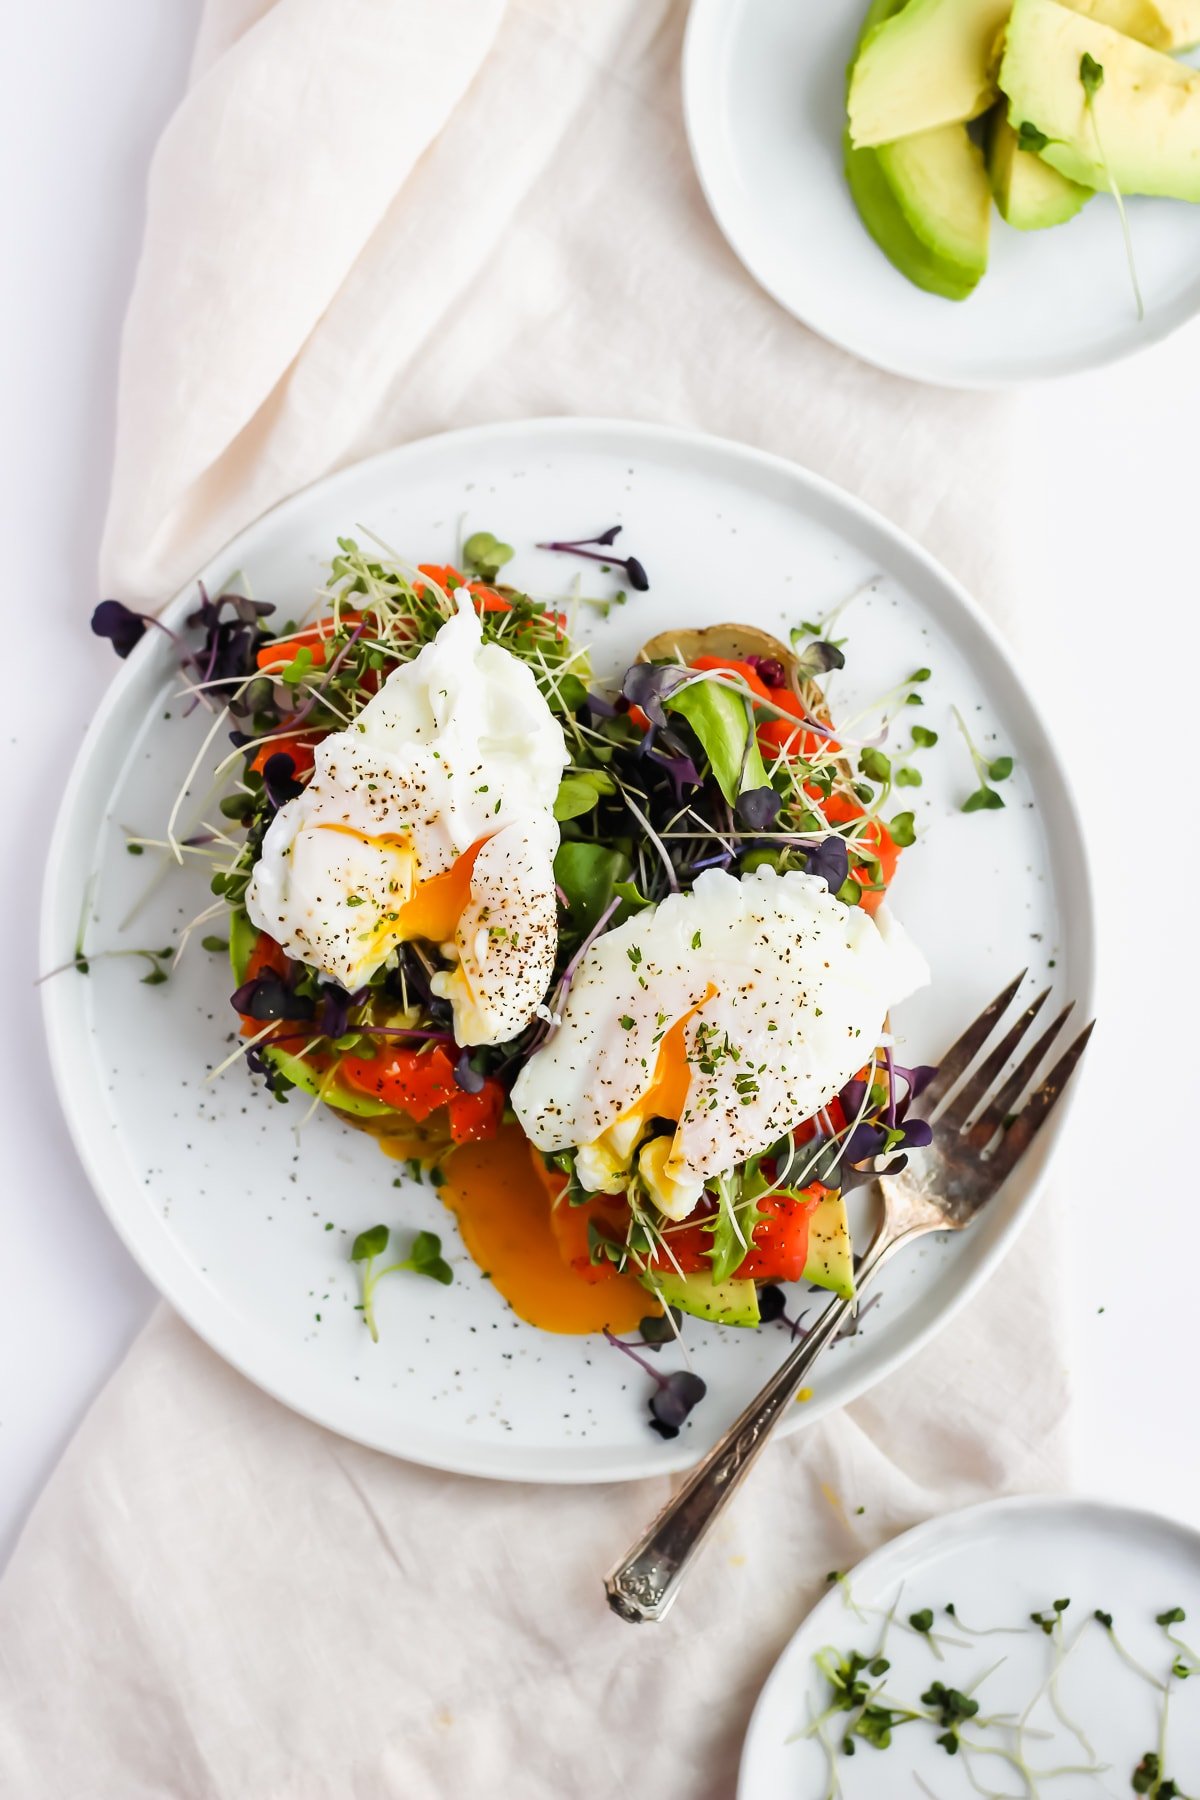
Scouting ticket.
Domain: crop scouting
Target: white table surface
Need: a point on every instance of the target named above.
(1104, 510)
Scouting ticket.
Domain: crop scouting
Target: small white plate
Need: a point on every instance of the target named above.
(207, 1184)
(764, 100)
(997, 1564)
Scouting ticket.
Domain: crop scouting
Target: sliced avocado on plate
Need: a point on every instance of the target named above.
(1029, 194)
(924, 200)
(1145, 111)
(930, 62)
(830, 1255)
(722, 1303)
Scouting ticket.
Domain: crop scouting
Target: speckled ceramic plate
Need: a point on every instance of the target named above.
(245, 1227)
(997, 1564)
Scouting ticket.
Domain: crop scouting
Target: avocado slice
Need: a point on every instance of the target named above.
(723, 1303)
(931, 62)
(939, 181)
(1029, 193)
(830, 1256)
(1148, 108)
(915, 199)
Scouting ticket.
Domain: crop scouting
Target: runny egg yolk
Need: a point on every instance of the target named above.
(432, 908)
(604, 1166)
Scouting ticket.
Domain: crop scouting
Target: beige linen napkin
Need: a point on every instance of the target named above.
(368, 221)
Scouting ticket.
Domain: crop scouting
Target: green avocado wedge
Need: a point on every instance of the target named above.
(1029, 194)
(722, 1303)
(928, 63)
(924, 200)
(1145, 108)
(830, 1255)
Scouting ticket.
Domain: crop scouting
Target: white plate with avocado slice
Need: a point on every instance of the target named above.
(765, 103)
(1117, 1598)
(245, 1224)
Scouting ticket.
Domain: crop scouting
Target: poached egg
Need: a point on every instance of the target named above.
(734, 1012)
(430, 817)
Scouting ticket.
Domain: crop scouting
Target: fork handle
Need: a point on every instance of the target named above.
(644, 1584)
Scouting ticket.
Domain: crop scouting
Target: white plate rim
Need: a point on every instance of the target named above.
(701, 17)
(931, 1531)
(131, 1224)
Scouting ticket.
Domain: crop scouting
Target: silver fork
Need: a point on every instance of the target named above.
(976, 1147)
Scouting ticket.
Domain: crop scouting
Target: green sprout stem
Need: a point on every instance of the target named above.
(1091, 74)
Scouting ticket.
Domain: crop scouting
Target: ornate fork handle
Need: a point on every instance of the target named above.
(644, 1584)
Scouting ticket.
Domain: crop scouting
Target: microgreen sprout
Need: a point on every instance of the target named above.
(595, 550)
(486, 555)
(424, 1258)
(675, 1395)
(1091, 76)
(999, 768)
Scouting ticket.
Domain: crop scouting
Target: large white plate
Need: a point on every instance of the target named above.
(998, 1563)
(764, 98)
(208, 1185)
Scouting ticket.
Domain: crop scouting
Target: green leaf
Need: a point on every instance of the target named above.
(155, 978)
(369, 1243)
(720, 718)
(627, 892)
(588, 875)
(568, 695)
(901, 830)
(1091, 74)
(1030, 138)
(923, 737)
(908, 777)
(486, 553)
(425, 1258)
(920, 675)
(299, 666)
(218, 945)
(1001, 769)
(984, 799)
(579, 794)
(875, 765)
(850, 892)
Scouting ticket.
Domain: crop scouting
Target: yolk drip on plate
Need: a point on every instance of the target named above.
(502, 1205)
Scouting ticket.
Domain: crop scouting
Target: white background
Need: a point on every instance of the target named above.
(1103, 512)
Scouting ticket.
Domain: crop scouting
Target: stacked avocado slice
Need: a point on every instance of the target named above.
(954, 104)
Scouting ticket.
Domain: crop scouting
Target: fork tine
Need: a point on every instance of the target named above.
(963, 1052)
(1030, 1119)
(1005, 1099)
(979, 1085)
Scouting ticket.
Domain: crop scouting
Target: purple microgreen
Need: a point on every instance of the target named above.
(123, 628)
(268, 996)
(772, 1304)
(829, 859)
(680, 770)
(466, 1076)
(279, 779)
(721, 860)
(333, 1014)
(660, 1328)
(817, 658)
(602, 708)
(918, 1078)
(675, 1395)
(758, 808)
(635, 574)
(649, 685)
